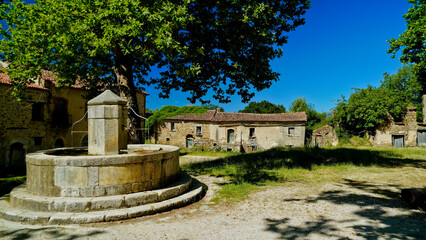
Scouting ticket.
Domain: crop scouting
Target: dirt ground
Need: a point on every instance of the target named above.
(355, 208)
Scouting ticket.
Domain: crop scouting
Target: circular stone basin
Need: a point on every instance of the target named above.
(71, 172)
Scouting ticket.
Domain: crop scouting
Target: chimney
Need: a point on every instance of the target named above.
(218, 109)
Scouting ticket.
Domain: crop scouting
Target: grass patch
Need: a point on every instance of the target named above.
(234, 192)
(306, 165)
(197, 152)
(7, 184)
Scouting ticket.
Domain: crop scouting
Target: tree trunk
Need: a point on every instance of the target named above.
(414, 196)
(124, 74)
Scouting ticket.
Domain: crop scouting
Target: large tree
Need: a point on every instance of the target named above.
(263, 107)
(412, 42)
(368, 108)
(198, 44)
(314, 117)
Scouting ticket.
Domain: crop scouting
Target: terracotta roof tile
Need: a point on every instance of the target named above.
(4, 79)
(213, 116)
(46, 75)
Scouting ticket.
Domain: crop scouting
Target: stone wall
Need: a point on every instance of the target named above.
(264, 135)
(324, 136)
(408, 128)
(21, 134)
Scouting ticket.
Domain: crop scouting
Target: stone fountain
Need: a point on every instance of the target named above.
(109, 181)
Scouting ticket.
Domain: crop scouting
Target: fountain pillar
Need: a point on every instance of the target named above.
(107, 122)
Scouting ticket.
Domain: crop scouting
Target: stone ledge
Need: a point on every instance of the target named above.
(21, 199)
(8, 212)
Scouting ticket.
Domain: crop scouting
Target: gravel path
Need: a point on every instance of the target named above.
(347, 210)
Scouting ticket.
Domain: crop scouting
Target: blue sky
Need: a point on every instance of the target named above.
(341, 46)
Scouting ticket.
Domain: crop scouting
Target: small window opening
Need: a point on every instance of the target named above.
(198, 131)
(252, 133)
(291, 131)
(37, 112)
(172, 126)
(59, 143)
(230, 136)
(167, 139)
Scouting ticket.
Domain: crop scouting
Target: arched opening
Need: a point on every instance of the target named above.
(59, 143)
(230, 136)
(17, 156)
(189, 141)
(85, 141)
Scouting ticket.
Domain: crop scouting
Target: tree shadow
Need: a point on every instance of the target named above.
(375, 215)
(49, 232)
(253, 167)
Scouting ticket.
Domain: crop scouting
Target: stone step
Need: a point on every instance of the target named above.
(10, 213)
(20, 198)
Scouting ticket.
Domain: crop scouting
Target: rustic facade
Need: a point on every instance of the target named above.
(408, 133)
(44, 121)
(233, 131)
(324, 136)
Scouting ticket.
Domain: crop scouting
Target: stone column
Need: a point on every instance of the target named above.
(107, 123)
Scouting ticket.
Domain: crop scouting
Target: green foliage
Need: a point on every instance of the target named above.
(355, 141)
(210, 106)
(368, 108)
(170, 111)
(223, 46)
(412, 41)
(272, 166)
(314, 118)
(7, 184)
(263, 107)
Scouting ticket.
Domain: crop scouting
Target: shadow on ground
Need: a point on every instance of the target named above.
(372, 219)
(47, 233)
(253, 167)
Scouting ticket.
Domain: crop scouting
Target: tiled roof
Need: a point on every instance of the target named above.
(45, 75)
(214, 116)
(4, 79)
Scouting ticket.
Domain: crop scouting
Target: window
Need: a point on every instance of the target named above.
(167, 139)
(60, 113)
(37, 112)
(172, 126)
(252, 133)
(59, 143)
(198, 131)
(38, 141)
(291, 131)
(230, 136)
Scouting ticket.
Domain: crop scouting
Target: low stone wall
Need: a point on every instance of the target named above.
(144, 167)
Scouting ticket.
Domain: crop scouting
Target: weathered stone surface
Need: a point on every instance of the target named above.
(115, 215)
(107, 202)
(70, 176)
(137, 199)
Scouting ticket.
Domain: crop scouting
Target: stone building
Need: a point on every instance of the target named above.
(233, 131)
(408, 133)
(324, 136)
(44, 121)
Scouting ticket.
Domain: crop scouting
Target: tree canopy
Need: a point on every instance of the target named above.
(314, 117)
(263, 107)
(368, 108)
(200, 45)
(170, 111)
(412, 42)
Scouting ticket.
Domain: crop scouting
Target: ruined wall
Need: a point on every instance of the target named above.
(408, 129)
(324, 136)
